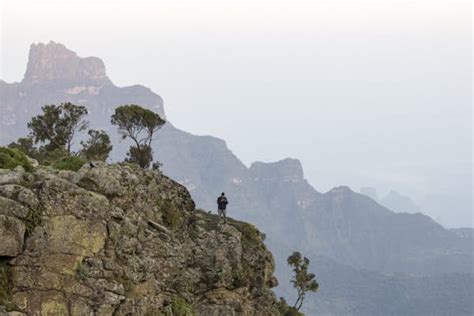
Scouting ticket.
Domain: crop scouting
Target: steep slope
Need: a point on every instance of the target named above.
(117, 240)
(55, 74)
(363, 292)
(399, 203)
(341, 226)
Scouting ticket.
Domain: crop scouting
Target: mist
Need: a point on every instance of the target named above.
(364, 93)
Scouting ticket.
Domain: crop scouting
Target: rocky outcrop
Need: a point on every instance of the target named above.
(55, 74)
(120, 240)
(342, 226)
(54, 62)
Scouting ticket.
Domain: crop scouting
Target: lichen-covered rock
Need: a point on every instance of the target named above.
(120, 240)
(12, 232)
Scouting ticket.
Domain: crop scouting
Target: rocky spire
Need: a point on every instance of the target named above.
(54, 62)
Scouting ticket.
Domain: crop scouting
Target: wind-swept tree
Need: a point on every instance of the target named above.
(57, 125)
(97, 147)
(26, 145)
(138, 124)
(303, 281)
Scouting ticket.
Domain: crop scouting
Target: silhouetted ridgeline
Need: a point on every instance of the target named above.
(368, 259)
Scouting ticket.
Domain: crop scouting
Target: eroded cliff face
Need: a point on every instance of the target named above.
(115, 239)
(54, 62)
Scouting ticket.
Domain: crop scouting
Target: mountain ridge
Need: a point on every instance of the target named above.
(339, 225)
(120, 240)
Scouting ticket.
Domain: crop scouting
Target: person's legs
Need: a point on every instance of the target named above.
(225, 216)
(219, 212)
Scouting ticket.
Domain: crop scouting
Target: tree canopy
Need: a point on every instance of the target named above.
(97, 147)
(57, 125)
(302, 280)
(138, 124)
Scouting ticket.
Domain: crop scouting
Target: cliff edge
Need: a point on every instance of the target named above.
(116, 239)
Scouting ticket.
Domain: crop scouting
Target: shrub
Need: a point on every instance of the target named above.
(72, 163)
(181, 308)
(138, 124)
(172, 218)
(250, 235)
(286, 310)
(57, 125)
(26, 145)
(12, 157)
(32, 220)
(97, 147)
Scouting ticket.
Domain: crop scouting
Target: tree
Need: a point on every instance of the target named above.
(143, 156)
(303, 281)
(26, 145)
(139, 125)
(97, 147)
(57, 125)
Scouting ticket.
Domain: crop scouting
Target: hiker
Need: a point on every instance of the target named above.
(221, 205)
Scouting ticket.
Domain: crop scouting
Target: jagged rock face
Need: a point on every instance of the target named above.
(119, 240)
(55, 75)
(54, 62)
(342, 226)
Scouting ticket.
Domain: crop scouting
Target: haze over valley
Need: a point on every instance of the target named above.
(367, 94)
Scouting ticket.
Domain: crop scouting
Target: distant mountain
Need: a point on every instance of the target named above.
(399, 203)
(55, 74)
(369, 259)
(370, 192)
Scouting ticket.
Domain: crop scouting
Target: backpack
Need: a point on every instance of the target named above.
(222, 202)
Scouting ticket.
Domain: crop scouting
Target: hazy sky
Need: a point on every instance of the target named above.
(366, 93)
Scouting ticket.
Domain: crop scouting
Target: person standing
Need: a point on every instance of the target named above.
(221, 207)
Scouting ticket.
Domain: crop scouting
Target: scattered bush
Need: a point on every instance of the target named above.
(180, 307)
(302, 280)
(97, 147)
(32, 220)
(250, 235)
(12, 157)
(141, 156)
(172, 218)
(26, 145)
(57, 125)
(138, 124)
(72, 163)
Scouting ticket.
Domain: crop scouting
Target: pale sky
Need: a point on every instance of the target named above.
(365, 93)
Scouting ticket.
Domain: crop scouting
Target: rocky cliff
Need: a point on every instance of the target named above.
(353, 242)
(54, 62)
(115, 239)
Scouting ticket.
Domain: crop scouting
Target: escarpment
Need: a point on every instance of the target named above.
(116, 239)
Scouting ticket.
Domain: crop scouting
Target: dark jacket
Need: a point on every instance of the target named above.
(222, 202)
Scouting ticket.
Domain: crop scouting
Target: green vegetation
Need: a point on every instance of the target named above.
(57, 125)
(97, 147)
(26, 145)
(180, 307)
(72, 163)
(32, 220)
(238, 278)
(250, 235)
(5, 290)
(286, 310)
(12, 157)
(303, 281)
(82, 271)
(138, 124)
(171, 217)
(54, 129)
